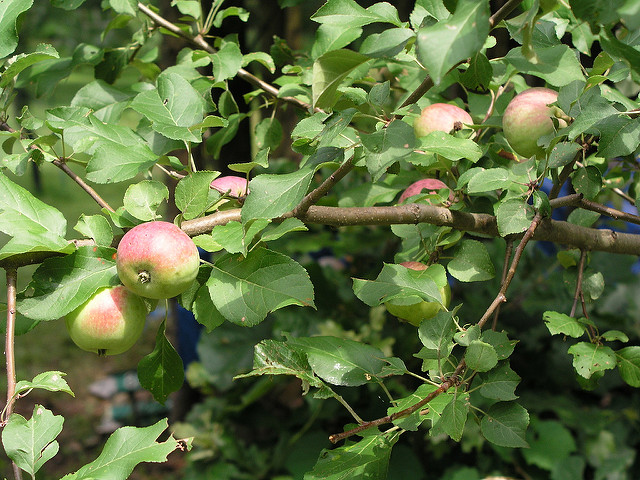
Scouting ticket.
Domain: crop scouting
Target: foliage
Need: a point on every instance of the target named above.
(297, 342)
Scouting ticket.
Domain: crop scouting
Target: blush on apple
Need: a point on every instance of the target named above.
(427, 185)
(528, 117)
(415, 313)
(231, 185)
(109, 323)
(157, 260)
(442, 117)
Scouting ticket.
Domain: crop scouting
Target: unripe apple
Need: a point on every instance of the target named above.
(109, 322)
(157, 260)
(231, 185)
(431, 185)
(417, 312)
(442, 117)
(528, 117)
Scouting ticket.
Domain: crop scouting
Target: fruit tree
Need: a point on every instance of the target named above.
(260, 151)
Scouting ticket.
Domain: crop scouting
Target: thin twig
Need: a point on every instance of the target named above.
(12, 280)
(446, 385)
(503, 11)
(312, 197)
(578, 293)
(505, 269)
(611, 212)
(200, 42)
(87, 188)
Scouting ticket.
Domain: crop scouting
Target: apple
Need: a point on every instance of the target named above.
(231, 185)
(417, 312)
(442, 117)
(528, 117)
(431, 185)
(157, 260)
(109, 323)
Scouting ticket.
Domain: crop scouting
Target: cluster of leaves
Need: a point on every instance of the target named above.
(352, 97)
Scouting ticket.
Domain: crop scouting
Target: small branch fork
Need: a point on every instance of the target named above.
(454, 379)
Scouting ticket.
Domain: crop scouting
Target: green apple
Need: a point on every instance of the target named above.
(417, 312)
(109, 323)
(528, 117)
(442, 117)
(157, 260)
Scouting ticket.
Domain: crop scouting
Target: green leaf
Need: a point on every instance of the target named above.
(500, 383)
(561, 324)
(588, 181)
(413, 421)
(226, 61)
(172, 108)
(245, 290)
(34, 225)
(10, 10)
(453, 418)
(505, 424)
(450, 147)
(460, 36)
(127, 7)
(478, 74)
(126, 448)
(341, 361)
(161, 372)
(52, 381)
(205, 311)
(62, 284)
(329, 71)
(480, 356)
(500, 342)
(268, 133)
(96, 227)
(628, 361)
(280, 230)
(385, 147)
(31, 443)
(241, 13)
(563, 153)
(471, 262)
(619, 135)
(260, 57)
(366, 459)
(274, 195)
(281, 358)
(348, 14)
(235, 237)
(589, 359)
(437, 333)
(489, 180)
(115, 162)
(514, 216)
(192, 195)
(333, 37)
(386, 44)
(143, 199)
(557, 64)
(397, 281)
(25, 60)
